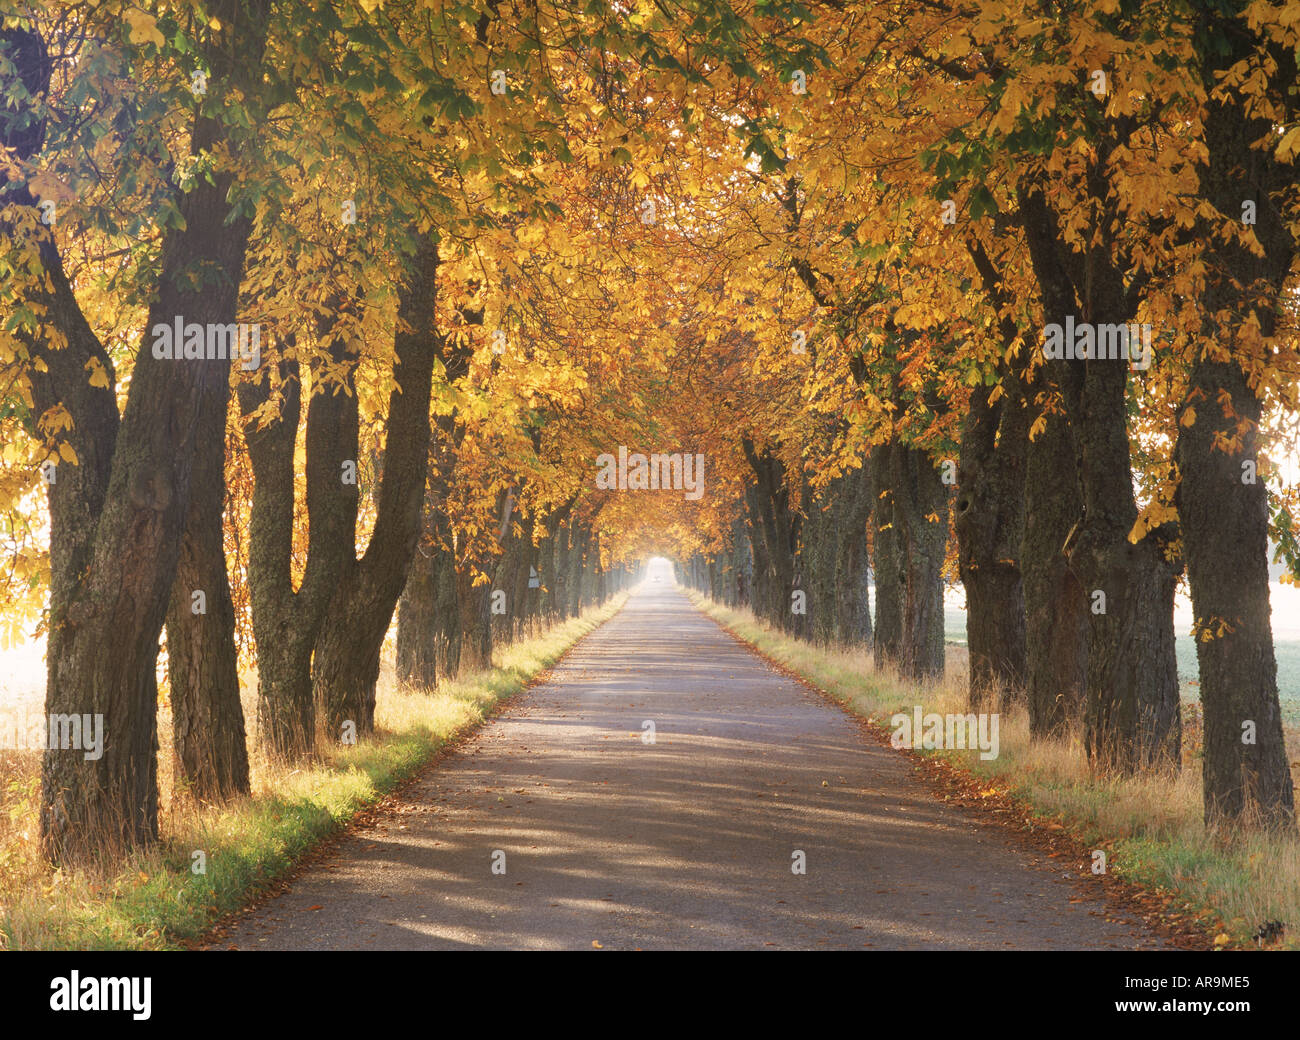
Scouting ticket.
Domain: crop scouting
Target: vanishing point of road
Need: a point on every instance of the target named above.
(557, 825)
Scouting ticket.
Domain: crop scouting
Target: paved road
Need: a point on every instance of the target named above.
(685, 843)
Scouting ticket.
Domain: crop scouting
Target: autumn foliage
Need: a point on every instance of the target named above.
(819, 245)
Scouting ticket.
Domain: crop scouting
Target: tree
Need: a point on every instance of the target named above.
(116, 531)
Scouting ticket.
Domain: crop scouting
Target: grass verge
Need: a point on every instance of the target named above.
(1150, 827)
(156, 900)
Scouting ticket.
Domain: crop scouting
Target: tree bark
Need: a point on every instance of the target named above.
(853, 605)
(209, 744)
(345, 667)
(116, 529)
(778, 529)
(286, 623)
(815, 565)
(548, 592)
(888, 564)
(1133, 716)
(417, 621)
(989, 521)
(473, 604)
(921, 511)
(1056, 607)
(1222, 500)
(427, 630)
(989, 517)
(447, 615)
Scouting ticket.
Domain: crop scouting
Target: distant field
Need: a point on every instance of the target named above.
(1285, 601)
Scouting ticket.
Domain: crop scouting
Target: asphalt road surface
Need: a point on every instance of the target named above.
(689, 842)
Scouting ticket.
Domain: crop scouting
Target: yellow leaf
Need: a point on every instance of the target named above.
(98, 373)
(1188, 417)
(1221, 940)
(66, 453)
(1289, 146)
(958, 46)
(144, 28)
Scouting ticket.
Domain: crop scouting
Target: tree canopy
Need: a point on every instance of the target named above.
(471, 248)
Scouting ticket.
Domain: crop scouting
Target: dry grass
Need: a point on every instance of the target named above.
(1151, 826)
(154, 899)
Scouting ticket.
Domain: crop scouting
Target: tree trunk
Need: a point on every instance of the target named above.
(1224, 521)
(1133, 713)
(563, 559)
(888, 564)
(417, 656)
(446, 613)
(577, 555)
(345, 667)
(546, 575)
(116, 530)
(597, 571)
(744, 566)
(1222, 499)
(818, 559)
(778, 528)
(921, 511)
(1056, 607)
(286, 623)
(474, 604)
(210, 750)
(1133, 709)
(521, 596)
(427, 627)
(763, 594)
(990, 521)
(1133, 717)
(853, 606)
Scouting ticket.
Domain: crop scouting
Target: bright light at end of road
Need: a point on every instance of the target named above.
(659, 571)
